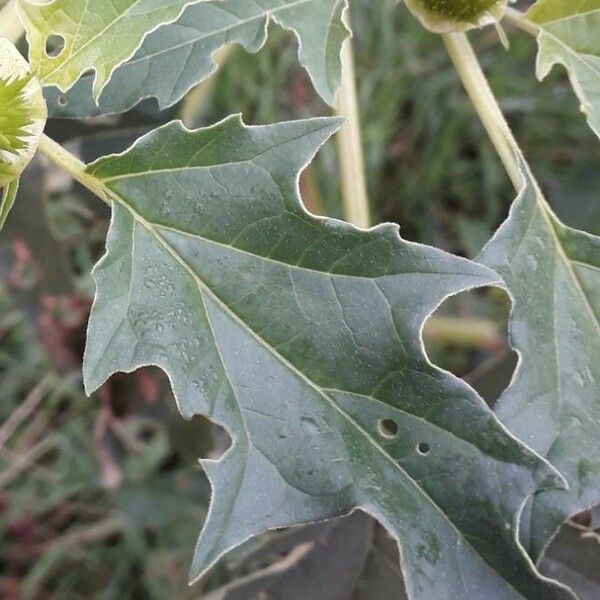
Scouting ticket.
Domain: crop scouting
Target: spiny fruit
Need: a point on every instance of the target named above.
(16, 116)
(22, 113)
(443, 16)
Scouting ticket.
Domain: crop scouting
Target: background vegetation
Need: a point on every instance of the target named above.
(102, 497)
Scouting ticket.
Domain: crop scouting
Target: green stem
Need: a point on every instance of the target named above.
(478, 333)
(10, 24)
(474, 80)
(352, 165)
(72, 165)
(518, 19)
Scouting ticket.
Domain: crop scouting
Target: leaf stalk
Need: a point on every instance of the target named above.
(518, 19)
(462, 332)
(72, 165)
(351, 159)
(476, 84)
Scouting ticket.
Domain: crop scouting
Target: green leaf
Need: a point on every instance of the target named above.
(178, 56)
(96, 36)
(444, 16)
(302, 337)
(570, 35)
(552, 273)
(22, 121)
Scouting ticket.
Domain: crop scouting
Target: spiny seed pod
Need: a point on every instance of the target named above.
(445, 16)
(23, 113)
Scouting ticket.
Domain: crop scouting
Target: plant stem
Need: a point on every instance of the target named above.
(10, 24)
(518, 19)
(352, 168)
(478, 333)
(70, 163)
(474, 80)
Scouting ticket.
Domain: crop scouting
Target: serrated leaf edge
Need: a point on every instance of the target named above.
(552, 220)
(544, 64)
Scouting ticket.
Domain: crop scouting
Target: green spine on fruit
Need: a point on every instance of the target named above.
(22, 113)
(16, 119)
(444, 16)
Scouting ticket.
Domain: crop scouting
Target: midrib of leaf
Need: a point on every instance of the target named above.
(203, 288)
(551, 223)
(567, 261)
(563, 255)
(421, 418)
(74, 54)
(240, 23)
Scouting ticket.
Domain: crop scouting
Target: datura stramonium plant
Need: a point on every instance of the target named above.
(445, 16)
(22, 113)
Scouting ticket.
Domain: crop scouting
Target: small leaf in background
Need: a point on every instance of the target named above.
(570, 35)
(552, 273)
(70, 37)
(302, 337)
(443, 16)
(179, 55)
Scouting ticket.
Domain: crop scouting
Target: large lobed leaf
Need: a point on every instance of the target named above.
(302, 336)
(97, 35)
(552, 273)
(570, 35)
(178, 56)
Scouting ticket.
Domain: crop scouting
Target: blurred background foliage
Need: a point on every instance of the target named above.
(103, 497)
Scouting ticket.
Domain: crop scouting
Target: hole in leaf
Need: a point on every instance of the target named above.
(467, 335)
(55, 44)
(388, 428)
(423, 448)
(147, 393)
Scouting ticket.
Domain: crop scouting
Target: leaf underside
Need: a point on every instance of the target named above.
(570, 35)
(301, 336)
(552, 273)
(179, 55)
(96, 36)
